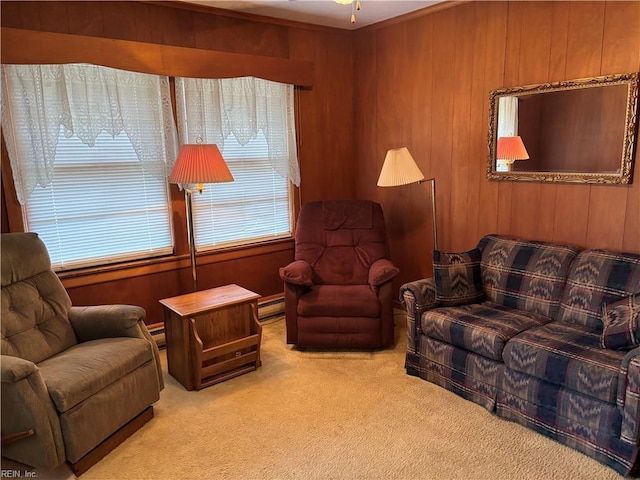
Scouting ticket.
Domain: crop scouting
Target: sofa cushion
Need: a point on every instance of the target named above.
(480, 328)
(568, 356)
(83, 370)
(526, 275)
(598, 277)
(339, 301)
(457, 277)
(621, 321)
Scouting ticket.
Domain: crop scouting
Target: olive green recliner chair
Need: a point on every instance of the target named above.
(72, 377)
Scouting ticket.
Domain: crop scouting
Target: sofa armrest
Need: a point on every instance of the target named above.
(297, 273)
(417, 297)
(109, 321)
(382, 271)
(26, 405)
(629, 396)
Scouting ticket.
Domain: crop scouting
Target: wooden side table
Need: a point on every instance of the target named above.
(212, 335)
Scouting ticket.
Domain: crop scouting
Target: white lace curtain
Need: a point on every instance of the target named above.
(242, 106)
(507, 116)
(85, 100)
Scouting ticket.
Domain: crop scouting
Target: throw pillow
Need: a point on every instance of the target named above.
(621, 323)
(457, 277)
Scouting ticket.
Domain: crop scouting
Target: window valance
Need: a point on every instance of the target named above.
(211, 110)
(34, 47)
(84, 100)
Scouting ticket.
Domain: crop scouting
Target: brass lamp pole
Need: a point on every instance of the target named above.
(400, 168)
(197, 164)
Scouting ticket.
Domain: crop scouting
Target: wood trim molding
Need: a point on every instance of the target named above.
(27, 46)
(413, 15)
(92, 276)
(242, 15)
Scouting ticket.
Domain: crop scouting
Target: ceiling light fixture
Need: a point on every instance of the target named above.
(355, 5)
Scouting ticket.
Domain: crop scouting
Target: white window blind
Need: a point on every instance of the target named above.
(254, 207)
(252, 122)
(101, 206)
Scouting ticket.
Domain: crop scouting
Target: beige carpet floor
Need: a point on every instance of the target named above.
(332, 415)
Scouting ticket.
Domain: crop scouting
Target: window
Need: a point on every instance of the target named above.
(251, 121)
(89, 148)
(507, 126)
(101, 206)
(254, 207)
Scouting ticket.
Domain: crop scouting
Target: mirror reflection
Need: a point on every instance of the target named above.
(576, 131)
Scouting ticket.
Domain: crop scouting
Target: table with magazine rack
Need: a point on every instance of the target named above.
(212, 335)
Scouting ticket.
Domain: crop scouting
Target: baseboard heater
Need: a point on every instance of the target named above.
(267, 310)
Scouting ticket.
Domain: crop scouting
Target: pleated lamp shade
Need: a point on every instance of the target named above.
(399, 168)
(200, 163)
(511, 148)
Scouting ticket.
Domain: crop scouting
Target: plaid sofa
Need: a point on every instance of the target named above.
(532, 351)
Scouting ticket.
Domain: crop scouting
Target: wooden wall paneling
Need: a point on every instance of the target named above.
(392, 104)
(584, 40)
(495, 52)
(365, 109)
(119, 21)
(237, 35)
(326, 115)
(10, 205)
(620, 215)
(533, 67)
(631, 235)
(511, 72)
(412, 206)
(622, 28)
(83, 20)
(444, 48)
(53, 16)
(477, 157)
(336, 90)
(461, 118)
(21, 14)
(584, 47)
(146, 290)
(11, 14)
(420, 50)
(4, 216)
(556, 72)
(303, 48)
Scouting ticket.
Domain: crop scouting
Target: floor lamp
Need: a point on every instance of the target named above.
(511, 149)
(196, 165)
(399, 168)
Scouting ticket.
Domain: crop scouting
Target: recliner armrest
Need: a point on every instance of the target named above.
(106, 321)
(14, 369)
(297, 273)
(382, 271)
(26, 405)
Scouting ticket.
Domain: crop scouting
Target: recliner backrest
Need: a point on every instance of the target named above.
(35, 305)
(340, 239)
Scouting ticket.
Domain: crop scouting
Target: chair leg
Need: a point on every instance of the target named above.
(109, 444)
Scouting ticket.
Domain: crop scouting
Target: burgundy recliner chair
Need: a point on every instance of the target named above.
(338, 290)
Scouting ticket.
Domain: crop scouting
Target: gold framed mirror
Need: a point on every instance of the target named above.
(578, 131)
